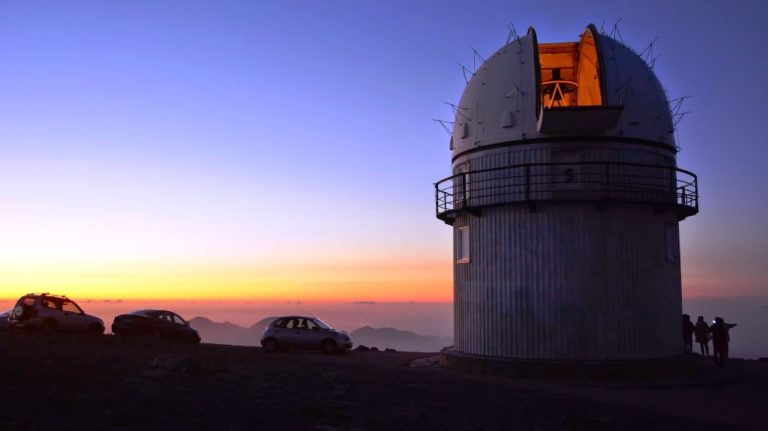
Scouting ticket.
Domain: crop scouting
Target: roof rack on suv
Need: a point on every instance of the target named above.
(45, 294)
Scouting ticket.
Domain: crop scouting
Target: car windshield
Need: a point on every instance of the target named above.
(322, 324)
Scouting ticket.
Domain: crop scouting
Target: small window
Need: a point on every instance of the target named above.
(70, 307)
(178, 319)
(52, 304)
(462, 244)
(280, 323)
(672, 242)
(462, 186)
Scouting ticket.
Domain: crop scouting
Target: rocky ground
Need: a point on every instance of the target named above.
(106, 383)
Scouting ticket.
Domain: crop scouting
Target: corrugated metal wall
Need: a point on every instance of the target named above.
(570, 281)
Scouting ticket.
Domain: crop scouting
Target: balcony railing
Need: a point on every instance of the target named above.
(600, 182)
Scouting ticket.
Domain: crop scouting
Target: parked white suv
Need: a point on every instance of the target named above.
(51, 313)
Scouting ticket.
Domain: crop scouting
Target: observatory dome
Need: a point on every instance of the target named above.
(595, 89)
(565, 199)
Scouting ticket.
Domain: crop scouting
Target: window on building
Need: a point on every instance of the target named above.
(462, 244)
(672, 242)
(461, 186)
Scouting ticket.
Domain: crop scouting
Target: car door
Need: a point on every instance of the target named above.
(166, 324)
(278, 330)
(290, 335)
(305, 337)
(74, 317)
(180, 328)
(52, 310)
(314, 335)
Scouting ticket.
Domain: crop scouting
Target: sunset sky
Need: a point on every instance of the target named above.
(285, 150)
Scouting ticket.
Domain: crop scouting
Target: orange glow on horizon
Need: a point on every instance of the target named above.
(424, 281)
(382, 280)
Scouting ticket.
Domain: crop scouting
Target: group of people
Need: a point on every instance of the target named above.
(717, 332)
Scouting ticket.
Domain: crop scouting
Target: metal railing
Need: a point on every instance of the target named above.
(662, 186)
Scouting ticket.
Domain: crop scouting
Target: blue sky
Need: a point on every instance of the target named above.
(297, 132)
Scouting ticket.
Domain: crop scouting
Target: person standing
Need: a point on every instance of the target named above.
(720, 340)
(701, 331)
(688, 329)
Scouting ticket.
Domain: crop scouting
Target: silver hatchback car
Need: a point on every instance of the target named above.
(304, 333)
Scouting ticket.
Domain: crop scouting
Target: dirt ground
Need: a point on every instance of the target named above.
(106, 383)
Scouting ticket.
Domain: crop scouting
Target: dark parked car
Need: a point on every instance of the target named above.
(306, 333)
(52, 313)
(161, 324)
(4, 320)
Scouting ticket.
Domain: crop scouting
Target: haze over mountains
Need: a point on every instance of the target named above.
(229, 333)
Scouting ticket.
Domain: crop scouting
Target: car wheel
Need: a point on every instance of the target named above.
(50, 326)
(329, 347)
(270, 345)
(94, 329)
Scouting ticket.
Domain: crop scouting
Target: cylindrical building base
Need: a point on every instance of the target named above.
(569, 282)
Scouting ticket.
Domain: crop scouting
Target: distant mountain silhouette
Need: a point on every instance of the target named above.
(229, 333)
(406, 341)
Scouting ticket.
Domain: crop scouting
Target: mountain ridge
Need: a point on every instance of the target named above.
(382, 338)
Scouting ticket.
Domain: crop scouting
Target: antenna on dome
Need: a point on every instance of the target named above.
(443, 123)
(512, 35)
(476, 55)
(615, 33)
(679, 117)
(676, 109)
(457, 110)
(647, 54)
(676, 104)
(464, 71)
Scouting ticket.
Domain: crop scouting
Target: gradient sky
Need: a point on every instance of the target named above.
(285, 150)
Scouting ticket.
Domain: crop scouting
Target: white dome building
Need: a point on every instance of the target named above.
(565, 200)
